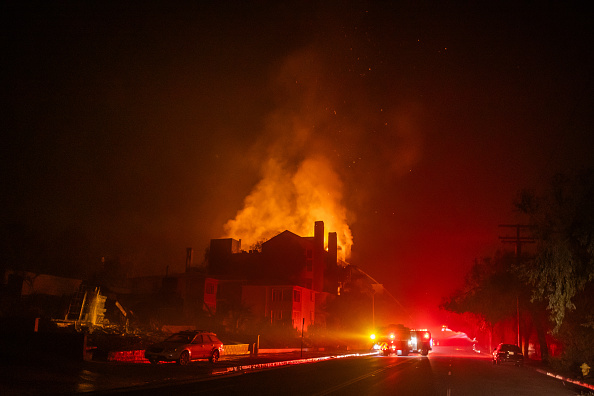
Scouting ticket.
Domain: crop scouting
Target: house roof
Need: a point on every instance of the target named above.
(284, 235)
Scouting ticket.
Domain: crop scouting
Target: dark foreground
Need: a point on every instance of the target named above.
(446, 371)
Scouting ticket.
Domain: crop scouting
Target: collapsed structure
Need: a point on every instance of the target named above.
(287, 282)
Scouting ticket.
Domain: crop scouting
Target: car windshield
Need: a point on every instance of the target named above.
(509, 348)
(181, 338)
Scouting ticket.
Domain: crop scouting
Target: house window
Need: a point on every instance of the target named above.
(277, 295)
(210, 288)
(296, 296)
(297, 319)
(276, 315)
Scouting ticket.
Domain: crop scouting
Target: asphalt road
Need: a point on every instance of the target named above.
(446, 371)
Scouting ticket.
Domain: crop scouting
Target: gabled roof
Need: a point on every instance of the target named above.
(284, 239)
(286, 234)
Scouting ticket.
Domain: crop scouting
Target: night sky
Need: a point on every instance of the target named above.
(407, 127)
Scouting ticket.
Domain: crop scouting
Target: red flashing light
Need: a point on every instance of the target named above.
(426, 335)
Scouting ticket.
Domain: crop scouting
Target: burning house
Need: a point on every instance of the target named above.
(287, 280)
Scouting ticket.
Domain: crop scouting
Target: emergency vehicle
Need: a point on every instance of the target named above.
(400, 340)
(421, 341)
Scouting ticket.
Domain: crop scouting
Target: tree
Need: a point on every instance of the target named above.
(563, 225)
(352, 310)
(493, 293)
(491, 290)
(236, 316)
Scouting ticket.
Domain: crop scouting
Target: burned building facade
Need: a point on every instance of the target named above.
(286, 258)
(288, 265)
(287, 282)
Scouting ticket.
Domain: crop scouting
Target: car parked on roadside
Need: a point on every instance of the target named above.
(508, 353)
(185, 346)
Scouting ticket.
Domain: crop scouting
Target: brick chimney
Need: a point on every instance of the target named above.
(332, 248)
(319, 235)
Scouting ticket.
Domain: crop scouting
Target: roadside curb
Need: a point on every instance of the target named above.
(257, 366)
(562, 378)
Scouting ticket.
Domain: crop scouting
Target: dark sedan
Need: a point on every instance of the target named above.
(508, 353)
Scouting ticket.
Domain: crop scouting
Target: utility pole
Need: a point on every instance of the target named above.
(302, 325)
(379, 288)
(518, 240)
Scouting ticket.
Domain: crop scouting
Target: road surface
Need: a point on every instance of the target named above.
(447, 371)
